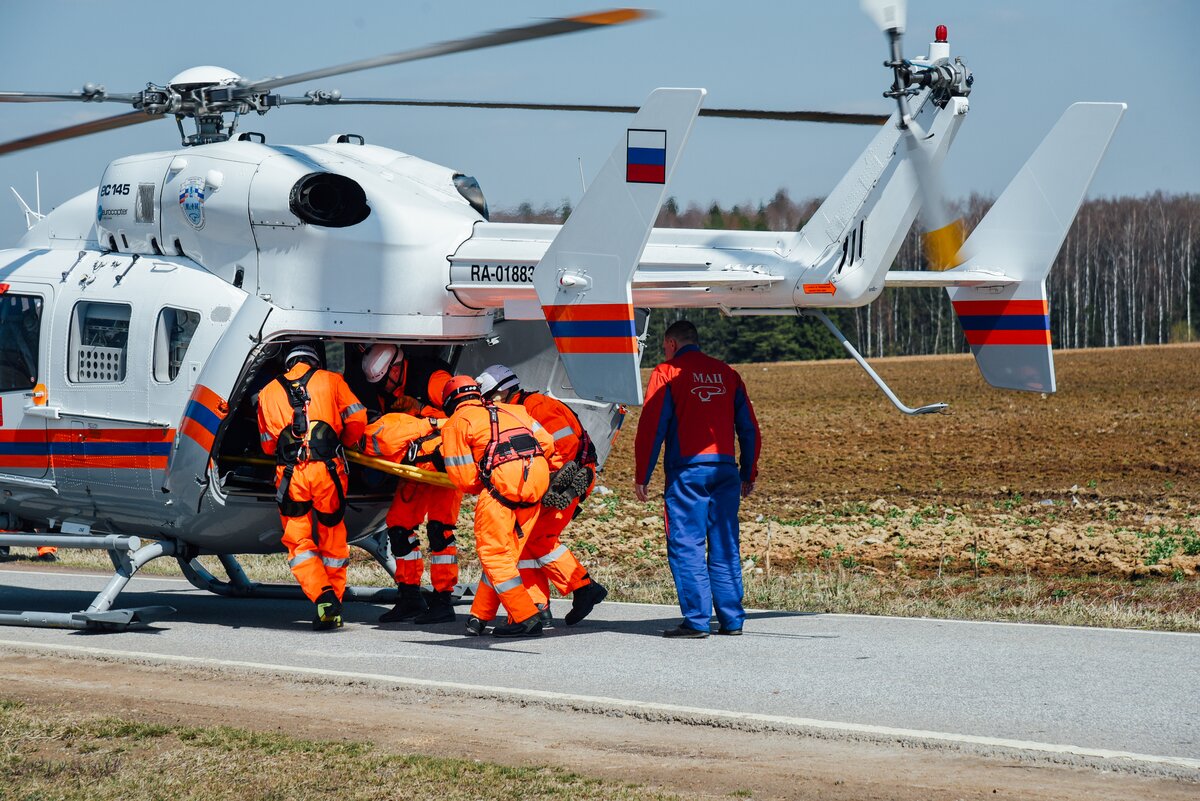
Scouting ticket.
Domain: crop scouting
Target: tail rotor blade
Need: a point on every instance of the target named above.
(888, 15)
(944, 232)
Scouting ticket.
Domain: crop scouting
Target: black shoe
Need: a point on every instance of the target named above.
(730, 632)
(441, 610)
(46, 557)
(526, 628)
(546, 615)
(584, 600)
(475, 626)
(329, 612)
(408, 607)
(682, 632)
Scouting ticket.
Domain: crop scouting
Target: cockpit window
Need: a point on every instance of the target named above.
(20, 330)
(172, 336)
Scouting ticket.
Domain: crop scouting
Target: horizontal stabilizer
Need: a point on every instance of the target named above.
(1008, 326)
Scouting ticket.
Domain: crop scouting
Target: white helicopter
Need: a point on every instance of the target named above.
(139, 319)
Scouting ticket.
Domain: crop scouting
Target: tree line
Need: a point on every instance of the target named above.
(1127, 274)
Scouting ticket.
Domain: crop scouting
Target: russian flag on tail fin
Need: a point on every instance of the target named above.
(583, 280)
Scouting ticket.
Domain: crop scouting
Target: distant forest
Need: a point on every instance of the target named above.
(1127, 274)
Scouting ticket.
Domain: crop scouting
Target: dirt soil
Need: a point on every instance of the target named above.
(694, 761)
(1098, 479)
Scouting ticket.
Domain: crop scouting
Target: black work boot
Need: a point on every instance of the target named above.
(546, 615)
(584, 600)
(526, 628)
(407, 607)
(329, 612)
(441, 610)
(475, 626)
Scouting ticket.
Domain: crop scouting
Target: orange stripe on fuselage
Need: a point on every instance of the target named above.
(210, 400)
(193, 430)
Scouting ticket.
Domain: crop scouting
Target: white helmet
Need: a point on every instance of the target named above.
(379, 359)
(496, 378)
(304, 351)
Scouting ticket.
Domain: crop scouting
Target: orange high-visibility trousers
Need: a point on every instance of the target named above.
(413, 504)
(545, 560)
(46, 550)
(319, 562)
(499, 548)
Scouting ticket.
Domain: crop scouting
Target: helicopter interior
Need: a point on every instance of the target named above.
(246, 471)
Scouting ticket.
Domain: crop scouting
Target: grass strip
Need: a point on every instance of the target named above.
(52, 754)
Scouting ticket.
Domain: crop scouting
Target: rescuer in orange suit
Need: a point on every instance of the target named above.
(544, 559)
(406, 383)
(413, 385)
(501, 454)
(305, 416)
(404, 438)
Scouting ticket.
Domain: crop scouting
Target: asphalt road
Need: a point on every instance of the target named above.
(1040, 688)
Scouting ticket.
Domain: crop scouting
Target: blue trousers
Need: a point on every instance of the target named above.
(703, 543)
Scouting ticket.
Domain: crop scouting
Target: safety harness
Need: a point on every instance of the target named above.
(307, 442)
(434, 458)
(517, 443)
(574, 478)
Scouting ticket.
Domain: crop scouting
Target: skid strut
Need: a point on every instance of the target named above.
(128, 557)
(879, 382)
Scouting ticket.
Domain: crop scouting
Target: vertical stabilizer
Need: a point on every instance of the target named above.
(583, 280)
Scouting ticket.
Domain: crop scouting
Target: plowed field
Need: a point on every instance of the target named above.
(1098, 479)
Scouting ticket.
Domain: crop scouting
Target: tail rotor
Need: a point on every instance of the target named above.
(944, 232)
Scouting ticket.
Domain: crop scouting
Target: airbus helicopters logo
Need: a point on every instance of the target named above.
(191, 202)
(708, 386)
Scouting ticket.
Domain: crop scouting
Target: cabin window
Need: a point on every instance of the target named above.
(99, 343)
(20, 332)
(172, 336)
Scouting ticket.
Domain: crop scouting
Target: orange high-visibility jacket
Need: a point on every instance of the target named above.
(558, 419)
(465, 438)
(331, 401)
(390, 436)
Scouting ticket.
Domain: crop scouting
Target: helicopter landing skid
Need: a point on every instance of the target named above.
(239, 585)
(128, 557)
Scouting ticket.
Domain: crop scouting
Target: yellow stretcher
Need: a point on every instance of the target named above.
(405, 471)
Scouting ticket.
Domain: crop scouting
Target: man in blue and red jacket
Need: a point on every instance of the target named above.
(694, 406)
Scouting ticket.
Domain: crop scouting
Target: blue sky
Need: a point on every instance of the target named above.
(1031, 59)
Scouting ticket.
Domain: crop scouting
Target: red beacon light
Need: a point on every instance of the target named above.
(940, 34)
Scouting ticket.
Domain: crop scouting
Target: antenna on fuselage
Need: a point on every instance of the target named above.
(31, 217)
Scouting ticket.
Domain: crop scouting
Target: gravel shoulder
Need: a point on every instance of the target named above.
(693, 760)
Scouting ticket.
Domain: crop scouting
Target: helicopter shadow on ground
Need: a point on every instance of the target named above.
(655, 627)
(651, 627)
(190, 607)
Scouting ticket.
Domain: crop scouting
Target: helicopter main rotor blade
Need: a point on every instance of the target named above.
(51, 97)
(538, 30)
(729, 113)
(82, 129)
